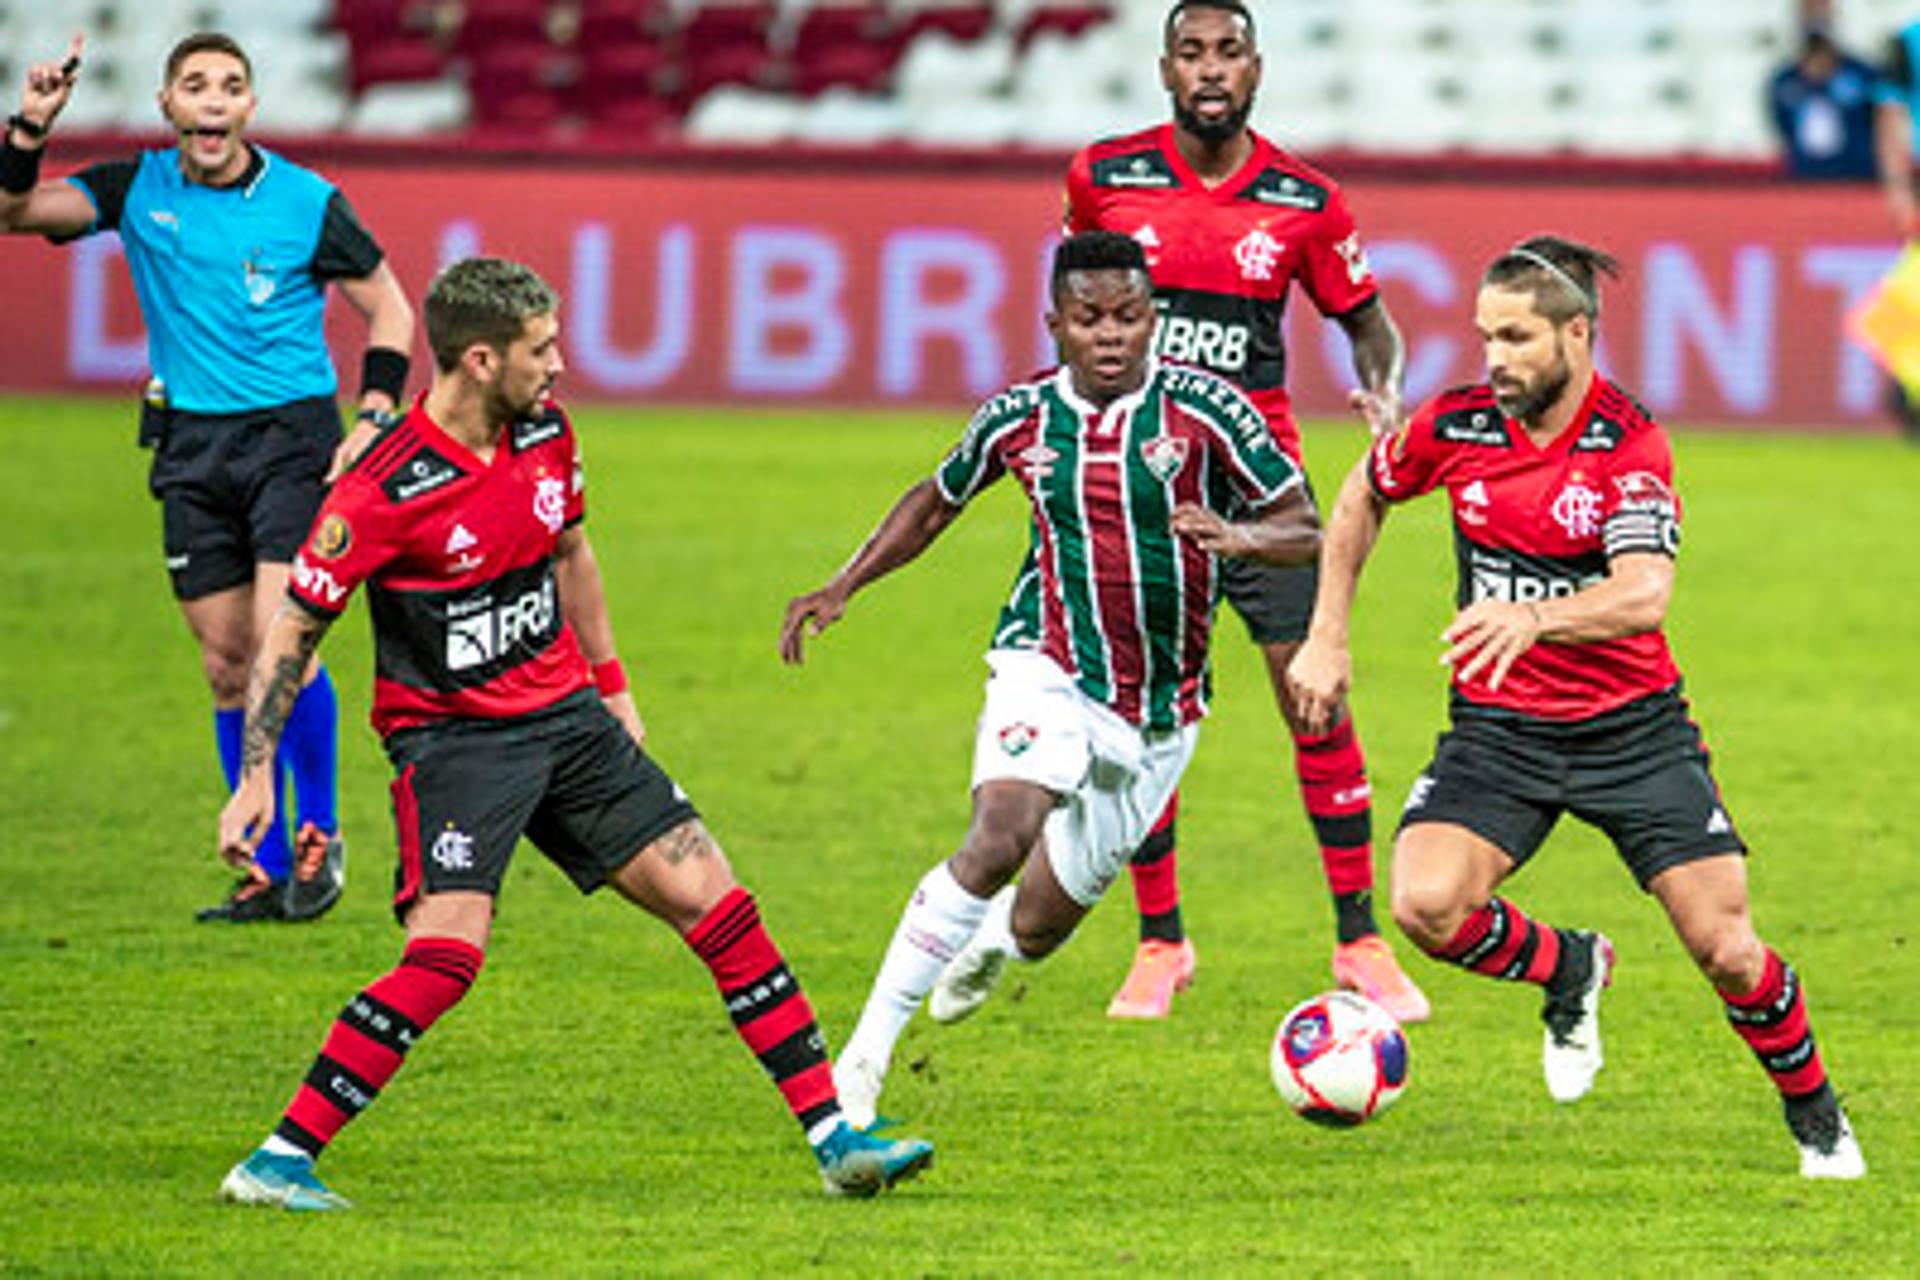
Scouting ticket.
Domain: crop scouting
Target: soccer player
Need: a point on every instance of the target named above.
(1230, 223)
(1132, 468)
(231, 248)
(492, 637)
(1565, 697)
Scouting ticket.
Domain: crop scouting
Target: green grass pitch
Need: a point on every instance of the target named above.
(589, 1111)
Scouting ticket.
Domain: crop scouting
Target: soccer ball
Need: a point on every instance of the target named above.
(1339, 1059)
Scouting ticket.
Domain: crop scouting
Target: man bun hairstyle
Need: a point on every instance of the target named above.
(207, 42)
(482, 300)
(1098, 251)
(1233, 7)
(1562, 275)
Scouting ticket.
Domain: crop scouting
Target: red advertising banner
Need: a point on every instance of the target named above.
(879, 287)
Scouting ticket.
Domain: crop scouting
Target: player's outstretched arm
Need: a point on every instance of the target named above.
(583, 603)
(28, 204)
(1321, 673)
(1287, 532)
(921, 515)
(278, 673)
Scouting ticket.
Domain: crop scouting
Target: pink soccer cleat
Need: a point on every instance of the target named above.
(1160, 968)
(1367, 965)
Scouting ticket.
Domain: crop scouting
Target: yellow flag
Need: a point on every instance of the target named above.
(1888, 322)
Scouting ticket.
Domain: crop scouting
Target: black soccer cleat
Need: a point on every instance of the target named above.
(251, 902)
(319, 874)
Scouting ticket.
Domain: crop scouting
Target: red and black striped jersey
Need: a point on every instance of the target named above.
(457, 555)
(1224, 257)
(1535, 522)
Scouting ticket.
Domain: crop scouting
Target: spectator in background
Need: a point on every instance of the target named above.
(1822, 104)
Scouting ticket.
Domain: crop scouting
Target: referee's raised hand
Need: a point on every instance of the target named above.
(50, 84)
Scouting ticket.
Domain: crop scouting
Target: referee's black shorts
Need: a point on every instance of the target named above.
(238, 489)
(570, 778)
(1639, 773)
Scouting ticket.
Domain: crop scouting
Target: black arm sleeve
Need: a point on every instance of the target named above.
(108, 183)
(347, 251)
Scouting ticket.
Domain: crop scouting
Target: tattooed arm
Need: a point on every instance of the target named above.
(278, 672)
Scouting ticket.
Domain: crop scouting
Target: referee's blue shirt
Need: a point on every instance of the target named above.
(231, 280)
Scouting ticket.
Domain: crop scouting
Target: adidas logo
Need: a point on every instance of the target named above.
(1719, 824)
(1475, 492)
(459, 540)
(1148, 237)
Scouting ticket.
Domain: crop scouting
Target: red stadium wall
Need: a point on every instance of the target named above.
(873, 285)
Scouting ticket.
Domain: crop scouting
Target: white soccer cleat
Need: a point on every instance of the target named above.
(1828, 1148)
(858, 1080)
(967, 981)
(1570, 1055)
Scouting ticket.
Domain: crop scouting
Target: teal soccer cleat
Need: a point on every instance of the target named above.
(853, 1163)
(285, 1182)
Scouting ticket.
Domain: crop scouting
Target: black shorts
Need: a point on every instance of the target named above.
(238, 489)
(1639, 773)
(569, 778)
(1276, 603)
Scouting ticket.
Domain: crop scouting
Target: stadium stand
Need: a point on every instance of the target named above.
(1502, 77)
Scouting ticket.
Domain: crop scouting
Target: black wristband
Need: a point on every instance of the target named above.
(19, 168)
(31, 128)
(384, 370)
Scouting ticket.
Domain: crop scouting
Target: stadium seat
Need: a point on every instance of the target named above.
(849, 45)
(725, 44)
(955, 19)
(841, 117)
(612, 74)
(1066, 19)
(737, 115)
(605, 22)
(408, 110)
(938, 70)
(486, 25)
(523, 86)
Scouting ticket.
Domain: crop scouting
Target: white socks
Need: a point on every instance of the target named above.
(939, 919)
(996, 929)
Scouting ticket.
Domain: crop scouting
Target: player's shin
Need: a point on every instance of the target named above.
(1339, 802)
(311, 745)
(1154, 868)
(768, 1008)
(939, 920)
(371, 1037)
(1772, 1021)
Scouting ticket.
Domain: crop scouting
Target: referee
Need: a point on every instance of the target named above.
(231, 248)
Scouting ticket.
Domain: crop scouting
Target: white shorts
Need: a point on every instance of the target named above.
(1113, 780)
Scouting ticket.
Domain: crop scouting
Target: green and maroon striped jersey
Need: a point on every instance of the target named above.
(1110, 593)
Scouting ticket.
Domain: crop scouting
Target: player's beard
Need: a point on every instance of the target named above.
(1216, 131)
(1530, 404)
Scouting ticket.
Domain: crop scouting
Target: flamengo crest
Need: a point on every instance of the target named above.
(1577, 510)
(1257, 253)
(1164, 456)
(550, 502)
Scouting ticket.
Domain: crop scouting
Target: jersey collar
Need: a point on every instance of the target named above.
(1063, 387)
(1255, 163)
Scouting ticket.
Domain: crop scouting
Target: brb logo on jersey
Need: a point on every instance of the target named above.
(1209, 343)
(1577, 510)
(478, 631)
(550, 502)
(1257, 254)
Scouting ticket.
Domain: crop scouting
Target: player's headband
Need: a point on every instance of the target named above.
(1554, 269)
